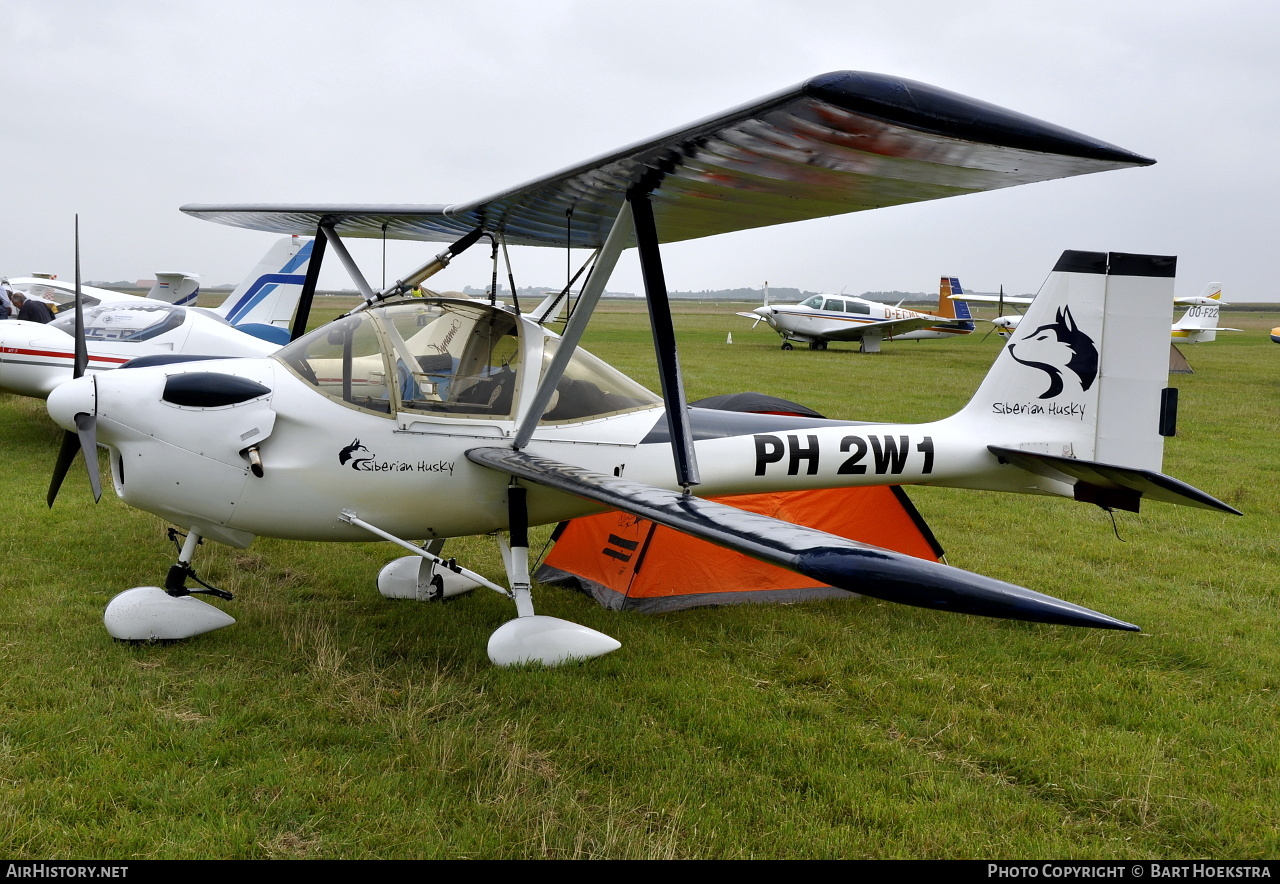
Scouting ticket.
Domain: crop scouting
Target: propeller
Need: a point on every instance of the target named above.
(996, 323)
(85, 438)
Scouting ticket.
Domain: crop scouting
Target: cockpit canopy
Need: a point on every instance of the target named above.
(124, 322)
(56, 295)
(451, 358)
(834, 304)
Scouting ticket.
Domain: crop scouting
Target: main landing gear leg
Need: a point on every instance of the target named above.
(529, 638)
(534, 638)
(149, 613)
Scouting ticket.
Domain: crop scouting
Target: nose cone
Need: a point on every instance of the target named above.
(762, 312)
(74, 397)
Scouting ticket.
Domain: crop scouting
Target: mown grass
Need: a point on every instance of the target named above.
(330, 722)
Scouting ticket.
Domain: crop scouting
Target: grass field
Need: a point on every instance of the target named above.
(330, 722)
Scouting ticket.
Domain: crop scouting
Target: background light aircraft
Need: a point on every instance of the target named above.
(36, 357)
(436, 418)
(821, 319)
(1198, 325)
(173, 288)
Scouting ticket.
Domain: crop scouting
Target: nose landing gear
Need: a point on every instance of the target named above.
(149, 613)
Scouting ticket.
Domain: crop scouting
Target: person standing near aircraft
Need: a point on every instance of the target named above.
(30, 309)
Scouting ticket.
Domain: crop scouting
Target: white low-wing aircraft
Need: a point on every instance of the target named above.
(425, 419)
(1198, 325)
(822, 319)
(252, 321)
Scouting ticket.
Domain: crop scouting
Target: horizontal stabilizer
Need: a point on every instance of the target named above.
(838, 142)
(1110, 485)
(845, 564)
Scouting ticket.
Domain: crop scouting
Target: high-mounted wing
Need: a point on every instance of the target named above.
(839, 142)
(836, 561)
(1019, 300)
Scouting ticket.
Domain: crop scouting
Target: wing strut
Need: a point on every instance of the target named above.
(353, 271)
(591, 292)
(303, 313)
(664, 339)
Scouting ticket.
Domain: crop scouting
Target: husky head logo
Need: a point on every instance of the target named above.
(1057, 347)
(349, 454)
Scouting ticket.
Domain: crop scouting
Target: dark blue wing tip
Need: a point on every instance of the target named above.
(896, 577)
(941, 111)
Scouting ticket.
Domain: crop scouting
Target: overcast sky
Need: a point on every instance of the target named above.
(124, 111)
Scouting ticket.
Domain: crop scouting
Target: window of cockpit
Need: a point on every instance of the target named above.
(855, 307)
(455, 359)
(343, 360)
(834, 304)
(591, 388)
(123, 322)
(815, 302)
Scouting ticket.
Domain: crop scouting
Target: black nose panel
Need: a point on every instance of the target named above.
(207, 389)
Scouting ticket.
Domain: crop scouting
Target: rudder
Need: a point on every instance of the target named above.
(1082, 376)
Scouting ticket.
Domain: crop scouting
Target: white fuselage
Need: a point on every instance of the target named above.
(406, 471)
(832, 318)
(35, 358)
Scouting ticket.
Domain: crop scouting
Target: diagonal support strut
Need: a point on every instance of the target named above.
(664, 339)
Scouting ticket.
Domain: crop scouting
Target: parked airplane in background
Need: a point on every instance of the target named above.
(35, 357)
(821, 319)
(266, 297)
(1197, 326)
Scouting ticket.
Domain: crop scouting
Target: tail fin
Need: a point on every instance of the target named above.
(954, 310)
(271, 291)
(550, 308)
(1199, 325)
(176, 288)
(946, 306)
(1084, 374)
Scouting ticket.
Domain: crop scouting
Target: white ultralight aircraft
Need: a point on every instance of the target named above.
(252, 321)
(426, 419)
(821, 319)
(1198, 325)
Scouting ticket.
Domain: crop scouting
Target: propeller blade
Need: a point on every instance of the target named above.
(87, 434)
(988, 334)
(82, 349)
(66, 454)
(85, 438)
(83, 441)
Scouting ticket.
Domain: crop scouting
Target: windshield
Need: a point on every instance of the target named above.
(449, 358)
(415, 357)
(59, 297)
(123, 322)
(454, 358)
(591, 388)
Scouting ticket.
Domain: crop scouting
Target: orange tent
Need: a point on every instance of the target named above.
(630, 563)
